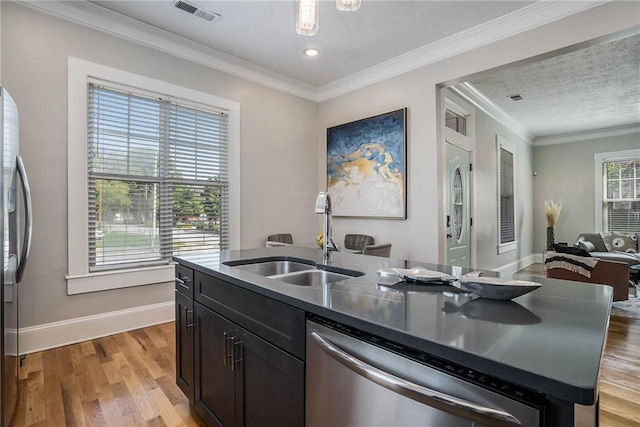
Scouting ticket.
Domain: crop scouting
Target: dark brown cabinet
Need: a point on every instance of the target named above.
(184, 345)
(239, 364)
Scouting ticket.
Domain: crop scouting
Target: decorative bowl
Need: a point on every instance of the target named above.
(496, 288)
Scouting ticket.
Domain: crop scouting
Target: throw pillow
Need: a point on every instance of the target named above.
(618, 242)
(587, 246)
(571, 250)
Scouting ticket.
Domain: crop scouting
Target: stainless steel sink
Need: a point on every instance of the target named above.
(294, 271)
(312, 277)
(273, 268)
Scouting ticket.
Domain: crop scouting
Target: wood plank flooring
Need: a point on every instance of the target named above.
(120, 380)
(129, 380)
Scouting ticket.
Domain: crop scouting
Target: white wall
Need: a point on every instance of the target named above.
(484, 173)
(420, 236)
(278, 143)
(566, 172)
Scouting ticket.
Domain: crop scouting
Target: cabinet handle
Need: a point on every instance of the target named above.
(187, 325)
(237, 344)
(182, 281)
(225, 352)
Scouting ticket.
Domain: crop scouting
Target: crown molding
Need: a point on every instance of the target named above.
(116, 24)
(587, 135)
(107, 21)
(477, 98)
(516, 22)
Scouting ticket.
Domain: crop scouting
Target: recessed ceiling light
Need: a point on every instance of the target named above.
(311, 52)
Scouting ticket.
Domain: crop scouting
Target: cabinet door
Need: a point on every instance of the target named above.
(184, 345)
(214, 381)
(269, 384)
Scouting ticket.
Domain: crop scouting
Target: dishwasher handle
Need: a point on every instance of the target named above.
(453, 405)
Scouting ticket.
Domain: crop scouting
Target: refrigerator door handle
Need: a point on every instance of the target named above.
(28, 226)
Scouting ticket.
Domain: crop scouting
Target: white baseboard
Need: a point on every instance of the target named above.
(507, 270)
(56, 334)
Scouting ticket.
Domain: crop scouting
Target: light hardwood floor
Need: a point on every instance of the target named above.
(129, 380)
(120, 380)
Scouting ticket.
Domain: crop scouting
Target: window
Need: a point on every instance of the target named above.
(455, 121)
(146, 176)
(621, 198)
(157, 172)
(506, 196)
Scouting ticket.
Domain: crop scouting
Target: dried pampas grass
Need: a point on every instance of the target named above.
(552, 212)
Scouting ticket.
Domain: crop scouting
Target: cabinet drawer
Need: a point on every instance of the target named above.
(184, 280)
(271, 320)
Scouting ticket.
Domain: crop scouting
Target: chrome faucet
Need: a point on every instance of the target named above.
(323, 206)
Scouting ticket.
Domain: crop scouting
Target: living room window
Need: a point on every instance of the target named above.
(621, 202)
(506, 196)
(153, 169)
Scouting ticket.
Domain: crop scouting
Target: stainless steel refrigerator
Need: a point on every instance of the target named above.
(14, 253)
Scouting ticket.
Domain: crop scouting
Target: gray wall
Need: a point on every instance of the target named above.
(277, 133)
(486, 181)
(420, 236)
(566, 172)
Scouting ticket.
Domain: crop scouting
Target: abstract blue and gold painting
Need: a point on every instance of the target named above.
(366, 166)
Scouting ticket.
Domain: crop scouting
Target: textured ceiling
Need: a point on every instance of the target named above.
(263, 32)
(593, 88)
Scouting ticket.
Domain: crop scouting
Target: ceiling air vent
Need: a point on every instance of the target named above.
(516, 97)
(195, 10)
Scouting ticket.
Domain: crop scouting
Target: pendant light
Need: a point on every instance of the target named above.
(348, 5)
(307, 18)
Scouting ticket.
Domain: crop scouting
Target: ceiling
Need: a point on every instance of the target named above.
(256, 40)
(592, 88)
(263, 32)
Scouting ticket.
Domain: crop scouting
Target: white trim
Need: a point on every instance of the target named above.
(506, 271)
(477, 98)
(508, 146)
(507, 247)
(516, 22)
(598, 159)
(587, 135)
(79, 278)
(117, 279)
(65, 332)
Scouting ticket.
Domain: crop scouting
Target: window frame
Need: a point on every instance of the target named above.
(600, 185)
(502, 143)
(80, 72)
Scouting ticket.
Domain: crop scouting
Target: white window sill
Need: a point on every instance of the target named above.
(116, 279)
(507, 247)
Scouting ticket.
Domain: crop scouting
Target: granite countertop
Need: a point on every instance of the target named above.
(550, 340)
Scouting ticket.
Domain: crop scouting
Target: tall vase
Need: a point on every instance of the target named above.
(550, 238)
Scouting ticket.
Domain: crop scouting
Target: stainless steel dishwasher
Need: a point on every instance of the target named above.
(357, 379)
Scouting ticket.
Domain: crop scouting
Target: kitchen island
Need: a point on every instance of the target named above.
(543, 348)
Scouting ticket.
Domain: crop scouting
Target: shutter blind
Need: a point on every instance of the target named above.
(622, 196)
(507, 197)
(158, 178)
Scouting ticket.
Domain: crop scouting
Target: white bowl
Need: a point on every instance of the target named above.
(496, 288)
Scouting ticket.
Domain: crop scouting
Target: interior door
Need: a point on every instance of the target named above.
(458, 221)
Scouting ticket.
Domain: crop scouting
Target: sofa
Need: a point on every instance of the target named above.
(611, 246)
(610, 273)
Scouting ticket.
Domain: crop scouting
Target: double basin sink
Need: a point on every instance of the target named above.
(294, 271)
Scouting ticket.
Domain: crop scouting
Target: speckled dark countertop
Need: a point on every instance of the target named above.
(550, 340)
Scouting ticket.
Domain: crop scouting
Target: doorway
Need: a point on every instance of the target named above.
(459, 143)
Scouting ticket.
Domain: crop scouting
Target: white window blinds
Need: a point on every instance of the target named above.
(506, 191)
(158, 178)
(621, 204)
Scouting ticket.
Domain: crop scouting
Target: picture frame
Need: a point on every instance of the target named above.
(367, 167)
